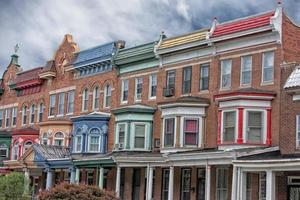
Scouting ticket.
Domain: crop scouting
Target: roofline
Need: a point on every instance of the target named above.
(90, 48)
(140, 45)
(186, 34)
(29, 70)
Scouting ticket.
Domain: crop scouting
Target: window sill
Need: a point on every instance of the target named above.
(51, 117)
(225, 89)
(59, 116)
(68, 114)
(203, 91)
(224, 146)
(267, 83)
(245, 86)
(152, 98)
(124, 102)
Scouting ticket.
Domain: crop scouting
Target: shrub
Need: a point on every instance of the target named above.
(68, 191)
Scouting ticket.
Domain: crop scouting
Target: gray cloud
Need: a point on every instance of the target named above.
(39, 26)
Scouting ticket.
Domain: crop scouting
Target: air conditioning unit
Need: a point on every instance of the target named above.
(118, 146)
(169, 91)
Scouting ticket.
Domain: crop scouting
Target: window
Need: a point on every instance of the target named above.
(186, 184)
(169, 132)
(121, 135)
(201, 176)
(41, 111)
(165, 184)
(246, 70)
(140, 135)
(85, 99)
(222, 183)
(124, 91)
(204, 77)
(298, 131)
(94, 143)
(27, 145)
(7, 117)
(52, 105)
(1, 118)
(32, 113)
(15, 151)
(3, 151)
(107, 96)
(138, 88)
(229, 126)
(268, 67)
(24, 115)
(262, 186)
(171, 79)
(187, 79)
(191, 130)
(152, 86)
(254, 126)
(45, 139)
(14, 116)
(96, 98)
(61, 103)
(59, 139)
(78, 143)
(248, 186)
(70, 107)
(226, 74)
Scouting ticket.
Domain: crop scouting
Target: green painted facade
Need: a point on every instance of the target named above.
(5, 141)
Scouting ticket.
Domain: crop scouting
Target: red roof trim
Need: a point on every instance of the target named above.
(29, 83)
(243, 94)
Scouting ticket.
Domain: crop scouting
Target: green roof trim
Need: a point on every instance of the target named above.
(134, 109)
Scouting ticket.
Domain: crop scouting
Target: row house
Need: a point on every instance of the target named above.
(211, 114)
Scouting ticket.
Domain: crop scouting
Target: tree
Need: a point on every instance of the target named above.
(12, 186)
(66, 191)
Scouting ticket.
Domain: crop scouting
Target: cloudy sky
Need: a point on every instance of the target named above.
(38, 26)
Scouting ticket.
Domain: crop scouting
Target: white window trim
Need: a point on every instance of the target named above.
(135, 89)
(68, 101)
(122, 91)
(221, 78)
(30, 113)
(76, 142)
(39, 111)
(105, 95)
(200, 129)
(49, 113)
(94, 98)
(8, 115)
(264, 124)
(262, 69)
(236, 124)
(175, 131)
(200, 77)
(226, 179)
(83, 100)
(56, 138)
(297, 138)
(125, 133)
(63, 110)
(133, 124)
(23, 114)
(150, 86)
(89, 142)
(12, 116)
(241, 72)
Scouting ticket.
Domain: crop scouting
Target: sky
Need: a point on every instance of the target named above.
(38, 26)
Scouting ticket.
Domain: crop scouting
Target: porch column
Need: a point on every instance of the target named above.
(149, 183)
(270, 193)
(77, 174)
(243, 185)
(26, 181)
(234, 183)
(72, 177)
(118, 181)
(207, 182)
(101, 177)
(171, 183)
(49, 179)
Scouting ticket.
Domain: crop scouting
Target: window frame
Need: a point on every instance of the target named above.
(61, 104)
(243, 70)
(188, 81)
(221, 78)
(89, 143)
(182, 191)
(32, 114)
(145, 135)
(44, 138)
(24, 115)
(70, 104)
(117, 138)
(263, 126)
(14, 115)
(55, 138)
(76, 143)
(96, 98)
(169, 86)
(165, 183)
(52, 105)
(235, 128)
(138, 96)
(262, 178)
(85, 100)
(264, 82)
(164, 131)
(297, 131)
(7, 117)
(3, 146)
(1, 118)
(107, 96)
(125, 82)
(27, 146)
(151, 96)
(15, 154)
(225, 188)
(184, 118)
(201, 77)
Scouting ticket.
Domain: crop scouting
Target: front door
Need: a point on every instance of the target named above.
(294, 192)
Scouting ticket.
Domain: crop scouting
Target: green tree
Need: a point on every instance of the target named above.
(12, 186)
(66, 191)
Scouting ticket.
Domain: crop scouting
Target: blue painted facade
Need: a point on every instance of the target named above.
(92, 129)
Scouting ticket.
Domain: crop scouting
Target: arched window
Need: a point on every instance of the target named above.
(94, 140)
(24, 115)
(32, 113)
(85, 99)
(107, 96)
(15, 151)
(3, 151)
(45, 139)
(27, 145)
(59, 139)
(96, 98)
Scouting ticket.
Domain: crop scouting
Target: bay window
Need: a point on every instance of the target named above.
(124, 94)
(169, 133)
(191, 131)
(121, 134)
(52, 105)
(61, 103)
(94, 143)
(140, 136)
(268, 67)
(204, 77)
(229, 126)
(78, 143)
(96, 98)
(152, 86)
(254, 126)
(138, 88)
(226, 74)
(70, 106)
(107, 96)
(187, 80)
(85, 99)
(246, 70)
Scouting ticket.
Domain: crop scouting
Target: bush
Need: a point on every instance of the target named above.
(68, 191)
(12, 187)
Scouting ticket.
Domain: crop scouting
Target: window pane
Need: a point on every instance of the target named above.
(170, 79)
(226, 74)
(153, 82)
(255, 126)
(139, 141)
(169, 132)
(229, 126)
(191, 125)
(125, 90)
(268, 66)
(204, 77)
(121, 133)
(187, 76)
